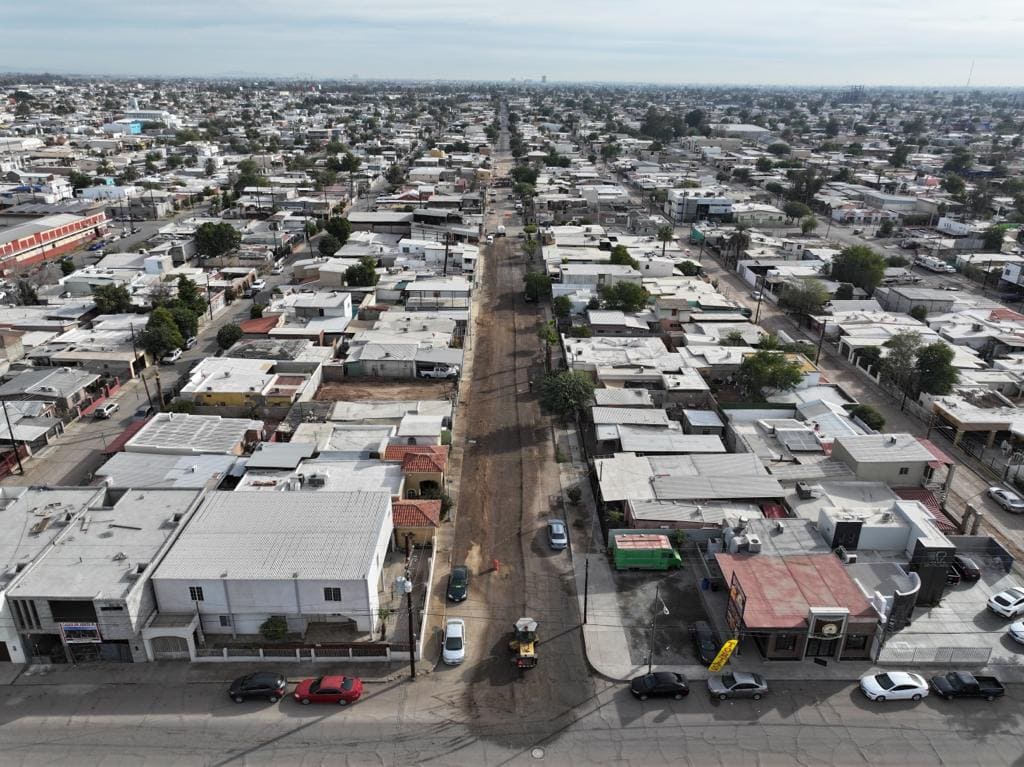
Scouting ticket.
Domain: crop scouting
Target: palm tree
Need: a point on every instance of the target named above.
(665, 235)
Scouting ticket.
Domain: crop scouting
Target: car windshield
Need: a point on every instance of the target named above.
(885, 681)
(348, 683)
(728, 680)
(459, 576)
(453, 643)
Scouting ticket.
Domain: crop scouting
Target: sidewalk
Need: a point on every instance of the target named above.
(604, 634)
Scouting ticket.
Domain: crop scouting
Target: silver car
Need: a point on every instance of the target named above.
(1008, 499)
(558, 536)
(737, 684)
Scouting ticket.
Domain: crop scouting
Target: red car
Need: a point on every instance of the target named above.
(329, 689)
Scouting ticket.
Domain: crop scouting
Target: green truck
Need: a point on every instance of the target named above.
(633, 550)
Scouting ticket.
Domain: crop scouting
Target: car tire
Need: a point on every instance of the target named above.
(880, 699)
(916, 697)
(723, 696)
(273, 699)
(643, 697)
(756, 696)
(990, 698)
(304, 701)
(342, 702)
(238, 699)
(678, 696)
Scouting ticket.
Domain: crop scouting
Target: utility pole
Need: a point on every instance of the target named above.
(821, 340)
(654, 625)
(135, 356)
(586, 587)
(760, 296)
(14, 443)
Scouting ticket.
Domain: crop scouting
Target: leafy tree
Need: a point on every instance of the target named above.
(869, 356)
(859, 265)
(806, 296)
(328, 245)
(766, 369)
(844, 292)
(689, 269)
(665, 235)
(808, 224)
(694, 118)
(216, 239)
(919, 313)
(897, 366)
(567, 392)
(524, 174)
(339, 228)
(869, 416)
(885, 228)
(992, 239)
(561, 306)
(256, 311)
(580, 331)
(395, 175)
(960, 160)
(620, 257)
(248, 175)
(67, 266)
(763, 164)
(79, 180)
(625, 296)
(228, 336)
(934, 368)
(190, 297)
(363, 274)
(181, 406)
(350, 164)
(25, 294)
(209, 168)
(112, 299)
(185, 319)
(779, 148)
(161, 334)
(954, 184)
(538, 286)
(899, 156)
(794, 209)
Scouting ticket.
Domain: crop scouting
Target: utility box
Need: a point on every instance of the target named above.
(643, 551)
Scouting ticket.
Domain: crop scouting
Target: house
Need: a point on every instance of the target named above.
(895, 459)
(424, 467)
(70, 390)
(188, 434)
(688, 205)
(319, 559)
(415, 521)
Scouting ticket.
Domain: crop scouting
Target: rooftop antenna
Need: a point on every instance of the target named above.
(970, 74)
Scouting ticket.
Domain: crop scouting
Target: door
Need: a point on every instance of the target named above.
(821, 648)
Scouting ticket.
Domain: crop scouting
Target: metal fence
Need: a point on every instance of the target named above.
(899, 652)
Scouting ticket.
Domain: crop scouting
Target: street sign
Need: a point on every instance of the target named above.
(723, 655)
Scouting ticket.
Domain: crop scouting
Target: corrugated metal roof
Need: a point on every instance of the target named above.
(885, 448)
(623, 398)
(320, 535)
(707, 418)
(727, 487)
(646, 439)
(629, 415)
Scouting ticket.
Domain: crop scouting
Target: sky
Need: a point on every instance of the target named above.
(785, 42)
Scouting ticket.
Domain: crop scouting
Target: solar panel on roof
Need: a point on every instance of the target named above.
(799, 441)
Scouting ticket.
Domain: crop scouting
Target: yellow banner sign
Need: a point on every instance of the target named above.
(723, 655)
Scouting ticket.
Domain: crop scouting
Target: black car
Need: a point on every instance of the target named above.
(660, 684)
(966, 568)
(262, 684)
(705, 643)
(458, 583)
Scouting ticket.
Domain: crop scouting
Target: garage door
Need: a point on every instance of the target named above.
(170, 648)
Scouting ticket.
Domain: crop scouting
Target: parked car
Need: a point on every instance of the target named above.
(258, 285)
(96, 246)
(963, 684)
(966, 567)
(458, 584)
(190, 342)
(447, 371)
(558, 536)
(263, 684)
(737, 684)
(1009, 603)
(106, 410)
(659, 685)
(454, 651)
(1008, 499)
(705, 643)
(329, 689)
(278, 269)
(757, 295)
(894, 685)
(171, 357)
(1016, 631)
(952, 576)
(143, 413)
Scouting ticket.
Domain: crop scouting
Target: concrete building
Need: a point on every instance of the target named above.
(186, 434)
(688, 205)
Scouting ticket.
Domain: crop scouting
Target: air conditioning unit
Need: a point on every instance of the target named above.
(316, 480)
(753, 544)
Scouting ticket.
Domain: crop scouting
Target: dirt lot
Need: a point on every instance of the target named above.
(383, 389)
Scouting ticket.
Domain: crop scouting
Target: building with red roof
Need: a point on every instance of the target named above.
(424, 466)
(417, 519)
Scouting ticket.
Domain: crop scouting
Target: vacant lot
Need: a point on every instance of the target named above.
(383, 389)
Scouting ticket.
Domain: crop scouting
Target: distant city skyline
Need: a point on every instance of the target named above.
(791, 42)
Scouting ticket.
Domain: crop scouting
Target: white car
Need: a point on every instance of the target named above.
(454, 651)
(894, 685)
(1009, 603)
(451, 371)
(106, 410)
(171, 357)
(1016, 631)
(1008, 499)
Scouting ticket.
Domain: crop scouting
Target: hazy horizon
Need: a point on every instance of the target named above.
(797, 43)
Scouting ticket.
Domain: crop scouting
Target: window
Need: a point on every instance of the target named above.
(904, 470)
(195, 593)
(111, 608)
(332, 593)
(785, 643)
(856, 642)
(225, 620)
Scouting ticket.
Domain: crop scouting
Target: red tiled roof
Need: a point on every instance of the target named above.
(781, 590)
(416, 513)
(423, 463)
(1005, 314)
(437, 455)
(260, 326)
(930, 502)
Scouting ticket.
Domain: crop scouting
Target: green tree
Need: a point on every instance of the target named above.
(808, 224)
(25, 294)
(189, 296)
(215, 240)
(350, 164)
(228, 336)
(256, 311)
(859, 265)
(794, 210)
(992, 239)
(395, 176)
(249, 175)
(897, 366)
(112, 299)
(954, 184)
(328, 245)
(537, 286)
(561, 306)
(339, 228)
(934, 369)
(665, 235)
(765, 369)
(209, 168)
(67, 266)
(363, 274)
(885, 228)
(689, 269)
(620, 257)
(161, 334)
(805, 297)
(844, 292)
(186, 320)
(899, 156)
(869, 416)
(919, 313)
(625, 296)
(763, 164)
(779, 148)
(869, 357)
(567, 392)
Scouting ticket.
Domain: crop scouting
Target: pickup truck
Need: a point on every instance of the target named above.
(962, 684)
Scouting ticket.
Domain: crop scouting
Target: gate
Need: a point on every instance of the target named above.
(170, 648)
